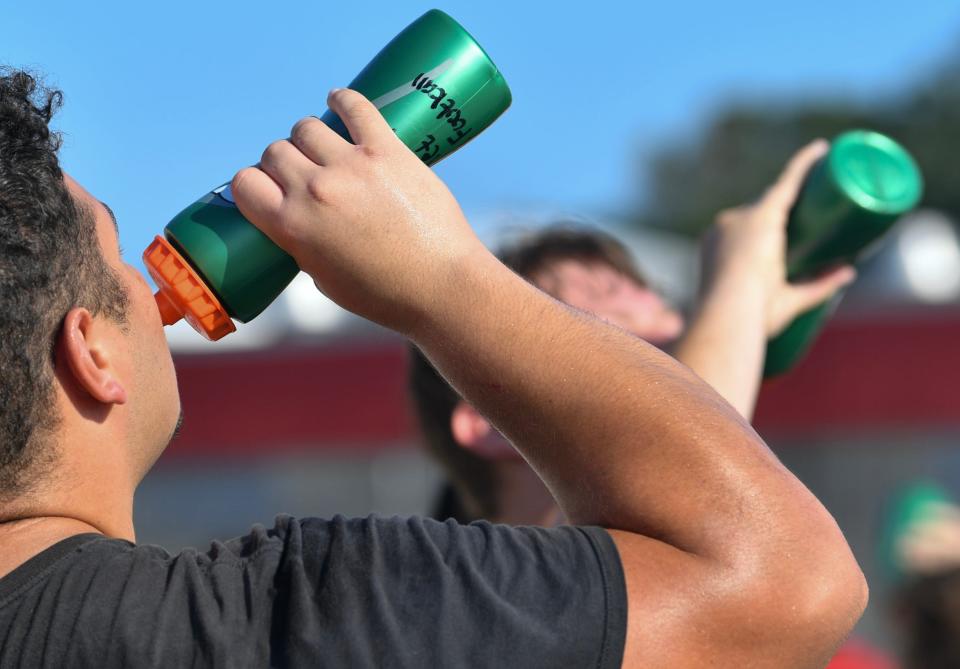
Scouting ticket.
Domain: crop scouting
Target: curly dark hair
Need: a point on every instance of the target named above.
(50, 261)
(472, 493)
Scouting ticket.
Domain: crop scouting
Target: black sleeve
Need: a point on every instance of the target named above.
(418, 593)
(370, 593)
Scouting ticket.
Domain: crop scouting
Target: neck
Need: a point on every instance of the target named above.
(90, 506)
(523, 497)
(22, 539)
(89, 485)
(94, 487)
(79, 505)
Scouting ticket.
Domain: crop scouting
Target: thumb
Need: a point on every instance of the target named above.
(798, 298)
(364, 121)
(784, 192)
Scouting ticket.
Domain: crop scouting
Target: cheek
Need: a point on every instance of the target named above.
(651, 318)
(644, 300)
(145, 321)
(579, 297)
(671, 328)
(143, 306)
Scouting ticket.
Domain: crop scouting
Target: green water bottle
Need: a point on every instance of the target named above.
(851, 197)
(435, 86)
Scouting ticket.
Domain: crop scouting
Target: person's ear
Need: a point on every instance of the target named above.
(475, 433)
(469, 428)
(86, 351)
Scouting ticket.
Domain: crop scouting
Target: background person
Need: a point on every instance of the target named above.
(745, 299)
(923, 551)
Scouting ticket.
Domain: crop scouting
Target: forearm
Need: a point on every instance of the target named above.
(623, 435)
(726, 342)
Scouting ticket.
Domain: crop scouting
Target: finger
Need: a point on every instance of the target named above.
(286, 165)
(784, 191)
(809, 294)
(316, 140)
(943, 534)
(364, 121)
(931, 544)
(258, 197)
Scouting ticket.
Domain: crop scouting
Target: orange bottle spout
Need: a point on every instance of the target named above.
(169, 313)
(183, 294)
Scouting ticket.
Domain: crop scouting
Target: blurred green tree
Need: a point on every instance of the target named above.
(744, 147)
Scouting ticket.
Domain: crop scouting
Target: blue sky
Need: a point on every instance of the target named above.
(165, 101)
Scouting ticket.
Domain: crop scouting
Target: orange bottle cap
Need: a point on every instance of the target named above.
(183, 294)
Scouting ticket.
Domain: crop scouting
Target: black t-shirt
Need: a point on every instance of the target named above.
(373, 592)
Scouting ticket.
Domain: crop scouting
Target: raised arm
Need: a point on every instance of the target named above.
(745, 298)
(730, 561)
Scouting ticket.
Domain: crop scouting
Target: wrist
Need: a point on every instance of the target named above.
(740, 282)
(463, 285)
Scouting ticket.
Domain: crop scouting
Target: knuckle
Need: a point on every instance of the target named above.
(272, 152)
(239, 181)
(319, 188)
(352, 103)
(343, 99)
(302, 130)
(356, 106)
(369, 152)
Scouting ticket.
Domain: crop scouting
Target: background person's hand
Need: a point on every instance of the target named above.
(931, 545)
(748, 243)
(376, 229)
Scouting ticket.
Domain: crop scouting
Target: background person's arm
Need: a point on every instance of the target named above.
(729, 560)
(745, 297)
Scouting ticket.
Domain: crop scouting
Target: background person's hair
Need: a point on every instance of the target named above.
(50, 261)
(474, 477)
(535, 252)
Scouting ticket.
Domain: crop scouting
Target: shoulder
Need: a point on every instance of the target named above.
(415, 533)
(372, 537)
(349, 586)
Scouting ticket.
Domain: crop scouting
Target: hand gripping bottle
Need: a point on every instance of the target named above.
(437, 89)
(851, 197)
